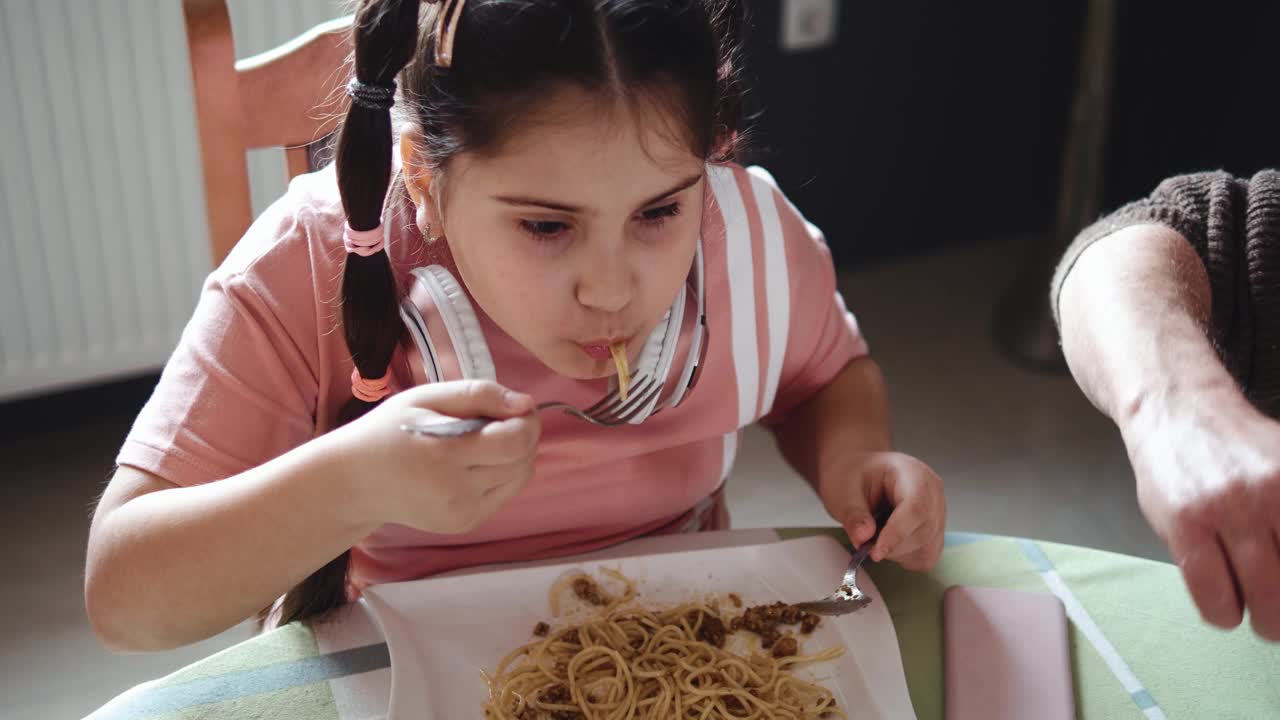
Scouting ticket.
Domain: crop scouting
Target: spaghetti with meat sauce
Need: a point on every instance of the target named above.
(625, 662)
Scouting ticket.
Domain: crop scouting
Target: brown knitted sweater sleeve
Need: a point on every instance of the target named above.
(1234, 226)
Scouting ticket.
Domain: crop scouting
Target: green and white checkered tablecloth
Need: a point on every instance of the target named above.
(1139, 648)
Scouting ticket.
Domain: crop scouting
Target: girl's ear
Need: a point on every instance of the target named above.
(726, 143)
(417, 180)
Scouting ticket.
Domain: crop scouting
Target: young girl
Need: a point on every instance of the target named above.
(560, 186)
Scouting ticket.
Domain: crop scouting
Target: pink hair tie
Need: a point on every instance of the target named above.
(363, 242)
(369, 390)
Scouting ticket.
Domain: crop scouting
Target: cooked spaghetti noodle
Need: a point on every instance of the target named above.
(628, 663)
(587, 590)
(619, 352)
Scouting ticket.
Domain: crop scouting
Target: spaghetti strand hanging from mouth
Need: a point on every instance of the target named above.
(619, 352)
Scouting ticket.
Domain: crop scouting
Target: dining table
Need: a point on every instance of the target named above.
(1138, 646)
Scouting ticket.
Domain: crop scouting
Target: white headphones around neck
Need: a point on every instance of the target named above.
(449, 343)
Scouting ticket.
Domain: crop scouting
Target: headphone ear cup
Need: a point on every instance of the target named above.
(448, 325)
(650, 363)
(675, 349)
(422, 364)
(691, 343)
(689, 348)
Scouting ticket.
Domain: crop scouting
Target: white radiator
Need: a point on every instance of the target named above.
(103, 241)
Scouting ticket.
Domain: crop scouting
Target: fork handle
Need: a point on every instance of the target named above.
(861, 552)
(447, 427)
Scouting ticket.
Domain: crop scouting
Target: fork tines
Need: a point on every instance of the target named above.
(612, 410)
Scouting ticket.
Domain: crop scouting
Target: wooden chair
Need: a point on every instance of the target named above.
(290, 96)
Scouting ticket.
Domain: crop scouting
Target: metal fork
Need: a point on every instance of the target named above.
(848, 598)
(609, 412)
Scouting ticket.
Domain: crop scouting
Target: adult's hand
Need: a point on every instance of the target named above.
(1208, 475)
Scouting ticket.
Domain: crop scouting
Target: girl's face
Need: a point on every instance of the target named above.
(577, 232)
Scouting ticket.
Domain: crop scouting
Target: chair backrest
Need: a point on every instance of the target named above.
(286, 97)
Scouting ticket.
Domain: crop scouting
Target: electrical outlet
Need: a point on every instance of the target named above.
(808, 24)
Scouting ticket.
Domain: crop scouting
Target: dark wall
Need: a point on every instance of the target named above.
(935, 124)
(1198, 87)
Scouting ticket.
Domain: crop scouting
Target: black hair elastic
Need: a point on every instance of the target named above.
(371, 96)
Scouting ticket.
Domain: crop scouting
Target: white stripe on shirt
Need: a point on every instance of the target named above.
(742, 300)
(777, 282)
(730, 454)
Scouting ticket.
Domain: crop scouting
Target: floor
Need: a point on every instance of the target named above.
(1021, 453)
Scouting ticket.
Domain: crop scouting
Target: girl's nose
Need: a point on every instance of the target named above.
(606, 282)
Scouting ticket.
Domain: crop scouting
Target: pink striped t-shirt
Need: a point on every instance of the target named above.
(262, 368)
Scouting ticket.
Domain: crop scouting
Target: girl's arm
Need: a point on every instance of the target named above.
(839, 440)
(171, 565)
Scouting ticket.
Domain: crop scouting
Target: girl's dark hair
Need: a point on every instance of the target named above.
(682, 56)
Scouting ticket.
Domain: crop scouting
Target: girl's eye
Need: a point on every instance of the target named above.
(658, 214)
(543, 229)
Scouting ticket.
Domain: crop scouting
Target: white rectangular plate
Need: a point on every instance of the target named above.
(442, 632)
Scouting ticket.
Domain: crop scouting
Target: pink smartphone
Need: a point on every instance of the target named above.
(1007, 655)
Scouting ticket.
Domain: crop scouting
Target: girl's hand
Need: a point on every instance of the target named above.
(913, 534)
(440, 485)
